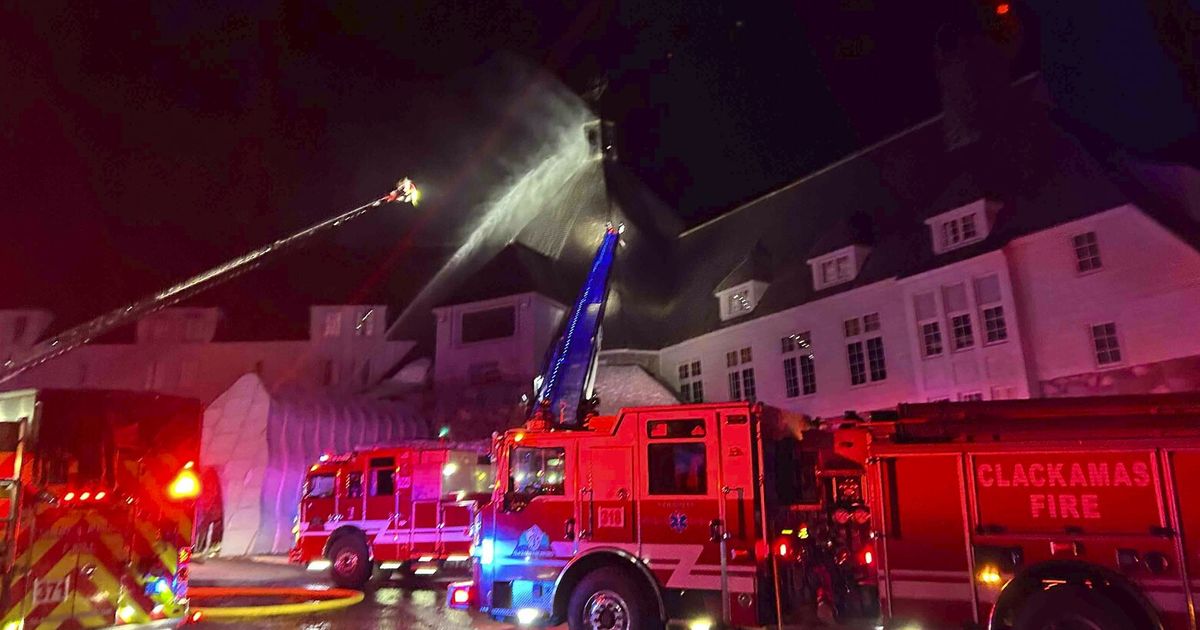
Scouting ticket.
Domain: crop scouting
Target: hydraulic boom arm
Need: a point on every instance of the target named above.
(570, 371)
(68, 340)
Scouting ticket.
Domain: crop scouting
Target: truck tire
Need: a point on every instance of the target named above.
(610, 599)
(350, 564)
(1073, 606)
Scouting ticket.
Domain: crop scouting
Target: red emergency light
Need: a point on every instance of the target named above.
(459, 595)
(186, 484)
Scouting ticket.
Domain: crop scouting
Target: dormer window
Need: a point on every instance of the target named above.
(740, 299)
(962, 226)
(838, 267)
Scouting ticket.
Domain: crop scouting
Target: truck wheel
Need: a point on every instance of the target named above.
(1072, 607)
(350, 565)
(608, 599)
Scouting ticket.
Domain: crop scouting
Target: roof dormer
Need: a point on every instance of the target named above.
(839, 266)
(740, 291)
(740, 299)
(963, 225)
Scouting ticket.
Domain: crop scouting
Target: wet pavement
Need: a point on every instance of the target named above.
(417, 604)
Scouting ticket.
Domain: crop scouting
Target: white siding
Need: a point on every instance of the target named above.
(1149, 285)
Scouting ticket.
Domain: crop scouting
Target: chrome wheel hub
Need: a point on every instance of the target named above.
(346, 562)
(605, 610)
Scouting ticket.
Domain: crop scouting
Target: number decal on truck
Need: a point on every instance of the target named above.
(50, 591)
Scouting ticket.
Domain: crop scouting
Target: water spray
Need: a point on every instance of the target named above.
(405, 192)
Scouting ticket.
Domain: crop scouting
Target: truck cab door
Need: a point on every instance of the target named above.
(680, 497)
(535, 525)
(606, 507)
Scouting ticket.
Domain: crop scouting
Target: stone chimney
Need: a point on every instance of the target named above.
(973, 74)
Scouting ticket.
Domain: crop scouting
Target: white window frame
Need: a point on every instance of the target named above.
(364, 325)
(689, 377)
(1116, 337)
(331, 325)
(950, 317)
(922, 338)
(947, 230)
(982, 308)
(1075, 253)
(739, 372)
(857, 334)
(837, 267)
(740, 300)
(796, 348)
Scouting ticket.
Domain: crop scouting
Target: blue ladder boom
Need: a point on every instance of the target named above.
(569, 373)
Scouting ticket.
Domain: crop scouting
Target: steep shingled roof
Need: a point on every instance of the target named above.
(1041, 174)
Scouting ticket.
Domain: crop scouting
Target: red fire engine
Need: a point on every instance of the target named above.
(97, 491)
(699, 511)
(658, 513)
(406, 508)
(1054, 513)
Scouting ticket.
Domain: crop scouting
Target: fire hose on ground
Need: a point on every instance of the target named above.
(316, 600)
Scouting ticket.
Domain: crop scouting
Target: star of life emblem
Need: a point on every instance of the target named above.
(677, 522)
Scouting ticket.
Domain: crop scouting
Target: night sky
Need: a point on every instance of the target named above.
(149, 142)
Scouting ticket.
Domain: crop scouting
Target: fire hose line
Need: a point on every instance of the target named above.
(323, 600)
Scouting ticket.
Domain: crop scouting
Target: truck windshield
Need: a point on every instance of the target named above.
(319, 487)
(537, 471)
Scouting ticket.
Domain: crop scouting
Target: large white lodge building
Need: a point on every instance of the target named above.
(964, 258)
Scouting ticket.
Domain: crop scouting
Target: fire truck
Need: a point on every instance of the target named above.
(97, 490)
(1052, 513)
(704, 512)
(405, 508)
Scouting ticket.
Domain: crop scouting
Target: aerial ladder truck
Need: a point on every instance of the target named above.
(98, 488)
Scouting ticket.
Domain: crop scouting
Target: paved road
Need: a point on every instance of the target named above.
(392, 604)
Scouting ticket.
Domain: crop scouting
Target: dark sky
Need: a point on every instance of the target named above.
(148, 141)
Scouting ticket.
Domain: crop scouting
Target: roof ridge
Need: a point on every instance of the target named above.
(828, 167)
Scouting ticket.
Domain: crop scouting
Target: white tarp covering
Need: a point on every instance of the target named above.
(261, 444)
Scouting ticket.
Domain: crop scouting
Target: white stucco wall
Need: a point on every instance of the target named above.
(824, 320)
(1149, 286)
(517, 356)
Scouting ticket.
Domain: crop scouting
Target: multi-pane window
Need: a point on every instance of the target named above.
(333, 324)
(1087, 252)
(858, 367)
(749, 391)
(799, 369)
(958, 231)
(931, 339)
(691, 388)
(968, 227)
(987, 296)
(929, 325)
(365, 326)
(1104, 340)
(739, 302)
(835, 270)
(993, 324)
(875, 359)
(864, 361)
(741, 374)
(973, 396)
(963, 336)
(791, 377)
